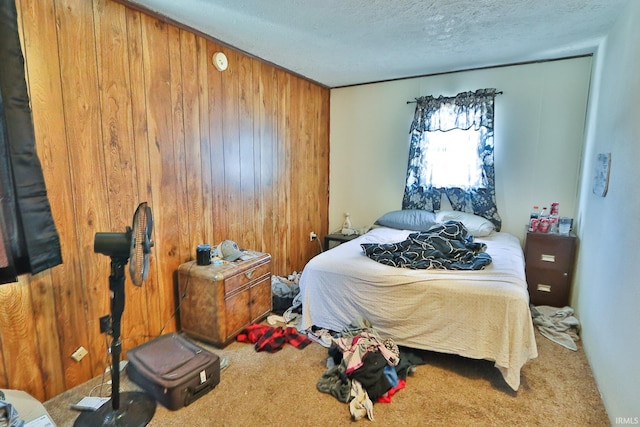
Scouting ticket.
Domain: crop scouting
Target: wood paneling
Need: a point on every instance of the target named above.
(126, 109)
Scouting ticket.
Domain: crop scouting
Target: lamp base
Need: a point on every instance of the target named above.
(136, 410)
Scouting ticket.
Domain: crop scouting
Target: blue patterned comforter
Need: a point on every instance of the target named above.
(447, 246)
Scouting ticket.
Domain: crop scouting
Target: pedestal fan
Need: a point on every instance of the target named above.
(128, 408)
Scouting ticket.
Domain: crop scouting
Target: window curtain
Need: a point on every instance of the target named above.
(29, 241)
(464, 111)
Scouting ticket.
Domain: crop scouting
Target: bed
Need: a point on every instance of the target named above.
(479, 314)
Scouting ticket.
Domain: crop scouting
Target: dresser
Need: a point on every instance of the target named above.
(549, 262)
(218, 301)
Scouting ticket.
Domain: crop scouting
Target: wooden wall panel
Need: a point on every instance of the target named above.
(138, 297)
(39, 34)
(126, 109)
(119, 151)
(193, 171)
(17, 322)
(230, 160)
(159, 108)
(216, 191)
(89, 188)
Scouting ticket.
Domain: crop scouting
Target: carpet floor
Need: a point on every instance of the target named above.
(276, 389)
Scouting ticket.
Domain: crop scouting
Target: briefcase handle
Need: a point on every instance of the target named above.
(194, 393)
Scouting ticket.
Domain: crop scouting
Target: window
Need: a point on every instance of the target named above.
(451, 159)
(451, 154)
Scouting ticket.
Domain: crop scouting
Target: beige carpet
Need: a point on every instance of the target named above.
(279, 389)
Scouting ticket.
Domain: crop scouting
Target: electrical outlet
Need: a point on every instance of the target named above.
(79, 354)
(312, 236)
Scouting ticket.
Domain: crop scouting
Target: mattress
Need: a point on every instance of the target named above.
(479, 314)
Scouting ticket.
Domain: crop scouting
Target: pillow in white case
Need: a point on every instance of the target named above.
(476, 225)
(408, 219)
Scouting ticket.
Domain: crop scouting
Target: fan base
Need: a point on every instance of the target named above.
(136, 410)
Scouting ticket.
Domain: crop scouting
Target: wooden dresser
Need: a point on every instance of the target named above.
(218, 301)
(549, 262)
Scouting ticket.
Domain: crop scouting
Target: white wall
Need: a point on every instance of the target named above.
(607, 281)
(539, 135)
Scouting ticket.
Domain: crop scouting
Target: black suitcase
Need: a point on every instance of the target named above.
(174, 370)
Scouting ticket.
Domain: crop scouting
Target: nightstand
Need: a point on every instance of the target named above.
(549, 262)
(218, 301)
(339, 238)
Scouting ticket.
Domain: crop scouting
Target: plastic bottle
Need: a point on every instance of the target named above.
(346, 225)
(535, 212)
(554, 217)
(533, 218)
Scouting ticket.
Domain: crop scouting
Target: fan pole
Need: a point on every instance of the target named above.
(138, 407)
(116, 285)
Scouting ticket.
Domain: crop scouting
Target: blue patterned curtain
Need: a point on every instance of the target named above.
(464, 111)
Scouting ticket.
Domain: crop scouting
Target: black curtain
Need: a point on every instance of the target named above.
(29, 241)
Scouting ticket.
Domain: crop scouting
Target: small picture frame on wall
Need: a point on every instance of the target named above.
(601, 179)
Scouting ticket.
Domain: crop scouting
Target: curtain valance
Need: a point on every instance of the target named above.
(463, 111)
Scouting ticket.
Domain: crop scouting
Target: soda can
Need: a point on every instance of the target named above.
(533, 225)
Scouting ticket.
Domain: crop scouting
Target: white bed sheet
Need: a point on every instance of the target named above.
(480, 314)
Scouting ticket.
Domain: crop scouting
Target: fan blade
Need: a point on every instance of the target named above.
(141, 244)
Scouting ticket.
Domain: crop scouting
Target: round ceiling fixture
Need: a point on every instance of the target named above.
(219, 60)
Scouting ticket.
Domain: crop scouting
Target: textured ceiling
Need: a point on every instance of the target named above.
(346, 42)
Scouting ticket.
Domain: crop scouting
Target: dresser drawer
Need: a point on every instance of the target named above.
(549, 252)
(245, 277)
(548, 287)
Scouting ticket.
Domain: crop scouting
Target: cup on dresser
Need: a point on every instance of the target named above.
(564, 225)
(203, 254)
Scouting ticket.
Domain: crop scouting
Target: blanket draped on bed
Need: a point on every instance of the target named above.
(446, 246)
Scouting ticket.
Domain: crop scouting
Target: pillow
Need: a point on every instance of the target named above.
(408, 219)
(476, 225)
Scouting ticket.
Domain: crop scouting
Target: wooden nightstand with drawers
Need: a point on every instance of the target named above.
(549, 260)
(218, 301)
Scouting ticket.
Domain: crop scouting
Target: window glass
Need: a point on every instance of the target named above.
(451, 159)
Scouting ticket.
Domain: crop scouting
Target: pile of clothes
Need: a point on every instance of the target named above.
(364, 369)
(287, 301)
(272, 338)
(283, 291)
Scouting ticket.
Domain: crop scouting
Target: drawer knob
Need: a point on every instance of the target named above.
(548, 258)
(544, 288)
(249, 274)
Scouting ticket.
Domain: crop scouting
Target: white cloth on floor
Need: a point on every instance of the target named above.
(360, 404)
(557, 324)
